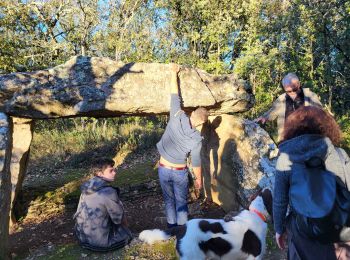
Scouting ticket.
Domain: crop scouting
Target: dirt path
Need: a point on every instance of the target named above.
(33, 239)
(143, 213)
(49, 226)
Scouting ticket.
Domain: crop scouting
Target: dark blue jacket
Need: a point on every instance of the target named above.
(312, 150)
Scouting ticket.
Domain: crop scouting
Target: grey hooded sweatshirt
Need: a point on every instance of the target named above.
(99, 216)
(180, 139)
(304, 148)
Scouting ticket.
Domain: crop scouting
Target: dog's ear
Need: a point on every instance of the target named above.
(256, 194)
(266, 195)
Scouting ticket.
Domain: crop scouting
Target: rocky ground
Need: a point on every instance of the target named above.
(46, 231)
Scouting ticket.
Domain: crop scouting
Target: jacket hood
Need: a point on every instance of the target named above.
(93, 185)
(305, 147)
(313, 150)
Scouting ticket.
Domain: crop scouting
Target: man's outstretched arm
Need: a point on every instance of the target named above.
(174, 89)
(196, 165)
(175, 68)
(197, 171)
(272, 113)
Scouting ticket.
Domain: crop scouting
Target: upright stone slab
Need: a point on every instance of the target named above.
(238, 158)
(22, 137)
(5, 183)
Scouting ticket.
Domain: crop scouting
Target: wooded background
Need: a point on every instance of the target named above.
(260, 40)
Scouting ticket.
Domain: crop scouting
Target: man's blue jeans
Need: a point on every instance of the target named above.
(174, 185)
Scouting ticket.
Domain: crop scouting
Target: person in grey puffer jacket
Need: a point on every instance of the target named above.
(310, 137)
(100, 219)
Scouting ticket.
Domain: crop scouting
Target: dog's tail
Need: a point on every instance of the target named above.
(153, 235)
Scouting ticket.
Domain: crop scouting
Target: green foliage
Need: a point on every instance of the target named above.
(259, 40)
(57, 141)
(271, 244)
(158, 251)
(263, 68)
(65, 188)
(73, 252)
(344, 122)
(137, 174)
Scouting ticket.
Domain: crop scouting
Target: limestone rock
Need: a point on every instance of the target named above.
(5, 182)
(93, 86)
(238, 157)
(22, 137)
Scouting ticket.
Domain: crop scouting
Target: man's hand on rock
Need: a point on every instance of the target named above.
(261, 120)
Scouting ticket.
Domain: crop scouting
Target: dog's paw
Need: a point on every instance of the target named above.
(229, 216)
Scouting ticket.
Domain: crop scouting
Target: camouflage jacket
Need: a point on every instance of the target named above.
(99, 215)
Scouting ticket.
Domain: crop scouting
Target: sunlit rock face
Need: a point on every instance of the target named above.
(93, 86)
(22, 134)
(238, 158)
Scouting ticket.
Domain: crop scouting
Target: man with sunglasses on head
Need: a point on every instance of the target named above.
(294, 97)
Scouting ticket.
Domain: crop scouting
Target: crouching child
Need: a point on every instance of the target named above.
(100, 221)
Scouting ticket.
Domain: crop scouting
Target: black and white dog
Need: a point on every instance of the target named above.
(241, 237)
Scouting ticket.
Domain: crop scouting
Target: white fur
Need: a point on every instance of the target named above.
(189, 244)
(151, 236)
(258, 204)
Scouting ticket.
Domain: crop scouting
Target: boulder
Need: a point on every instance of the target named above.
(21, 138)
(5, 182)
(238, 158)
(101, 87)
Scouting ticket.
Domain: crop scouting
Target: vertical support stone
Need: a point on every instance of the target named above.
(5, 182)
(237, 159)
(21, 138)
(219, 176)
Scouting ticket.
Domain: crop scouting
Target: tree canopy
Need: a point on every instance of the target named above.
(260, 40)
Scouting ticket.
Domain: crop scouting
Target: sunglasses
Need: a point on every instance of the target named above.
(294, 90)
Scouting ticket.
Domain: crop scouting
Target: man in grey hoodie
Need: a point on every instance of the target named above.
(100, 219)
(180, 139)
